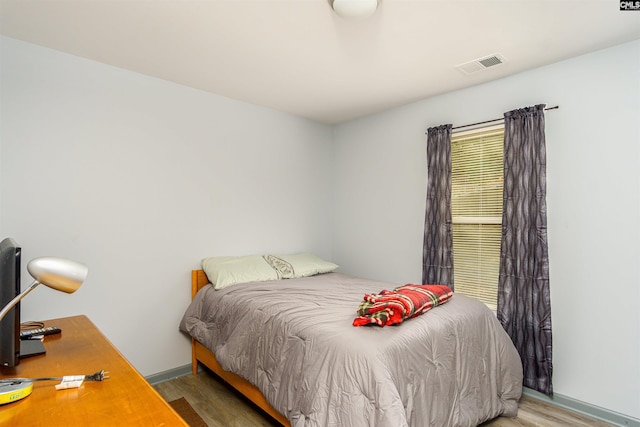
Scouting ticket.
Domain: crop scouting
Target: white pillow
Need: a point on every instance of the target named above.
(299, 265)
(229, 270)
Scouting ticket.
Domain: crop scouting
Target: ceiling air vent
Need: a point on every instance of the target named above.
(481, 64)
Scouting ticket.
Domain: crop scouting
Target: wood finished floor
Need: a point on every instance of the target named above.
(220, 406)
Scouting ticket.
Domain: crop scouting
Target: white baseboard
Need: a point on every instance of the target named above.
(171, 374)
(592, 411)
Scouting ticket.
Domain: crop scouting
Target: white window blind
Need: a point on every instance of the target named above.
(476, 210)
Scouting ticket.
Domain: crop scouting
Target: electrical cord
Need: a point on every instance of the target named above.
(98, 376)
(29, 325)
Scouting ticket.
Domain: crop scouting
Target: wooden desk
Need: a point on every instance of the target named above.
(125, 399)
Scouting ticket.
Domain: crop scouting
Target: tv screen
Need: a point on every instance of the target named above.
(9, 289)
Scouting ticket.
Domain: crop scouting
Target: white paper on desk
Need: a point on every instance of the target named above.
(70, 381)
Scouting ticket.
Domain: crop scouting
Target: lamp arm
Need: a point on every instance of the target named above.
(17, 299)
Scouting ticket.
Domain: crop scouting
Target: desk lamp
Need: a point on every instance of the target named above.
(57, 273)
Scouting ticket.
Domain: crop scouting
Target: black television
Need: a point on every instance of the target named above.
(9, 289)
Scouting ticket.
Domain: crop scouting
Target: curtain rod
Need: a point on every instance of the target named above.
(495, 120)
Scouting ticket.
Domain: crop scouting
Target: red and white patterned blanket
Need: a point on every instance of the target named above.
(404, 302)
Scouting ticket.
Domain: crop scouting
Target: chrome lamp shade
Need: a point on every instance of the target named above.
(57, 273)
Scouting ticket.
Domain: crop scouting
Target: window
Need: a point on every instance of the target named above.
(476, 210)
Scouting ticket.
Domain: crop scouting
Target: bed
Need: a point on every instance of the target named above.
(290, 347)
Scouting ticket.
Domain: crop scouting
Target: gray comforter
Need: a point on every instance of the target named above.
(294, 340)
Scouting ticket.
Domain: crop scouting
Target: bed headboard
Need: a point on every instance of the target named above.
(198, 281)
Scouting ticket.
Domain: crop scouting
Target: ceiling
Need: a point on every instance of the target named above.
(297, 56)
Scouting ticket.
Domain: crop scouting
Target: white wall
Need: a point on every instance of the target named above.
(593, 179)
(139, 179)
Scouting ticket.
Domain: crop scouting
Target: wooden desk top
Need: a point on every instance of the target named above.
(125, 399)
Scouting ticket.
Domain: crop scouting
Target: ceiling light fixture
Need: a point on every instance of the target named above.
(355, 8)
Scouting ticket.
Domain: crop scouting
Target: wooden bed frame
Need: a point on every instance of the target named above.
(199, 353)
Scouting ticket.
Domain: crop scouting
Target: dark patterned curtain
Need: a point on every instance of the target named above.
(524, 307)
(437, 252)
